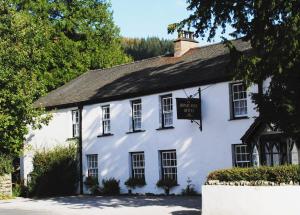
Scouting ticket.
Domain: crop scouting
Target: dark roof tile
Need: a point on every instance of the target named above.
(198, 66)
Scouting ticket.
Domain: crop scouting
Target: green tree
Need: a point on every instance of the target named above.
(44, 44)
(147, 47)
(273, 29)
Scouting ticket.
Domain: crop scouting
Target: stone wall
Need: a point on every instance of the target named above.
(5, 185)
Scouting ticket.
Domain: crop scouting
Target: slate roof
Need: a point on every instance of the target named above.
(199, 66)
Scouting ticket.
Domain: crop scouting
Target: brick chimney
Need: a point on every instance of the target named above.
(184, 42)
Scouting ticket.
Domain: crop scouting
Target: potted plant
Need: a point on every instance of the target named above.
(166, 184)
(92, 184)
(131, 183)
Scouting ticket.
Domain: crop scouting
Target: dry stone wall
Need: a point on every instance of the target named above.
(5, 185)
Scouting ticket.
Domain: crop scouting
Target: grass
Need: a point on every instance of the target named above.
(5, 197)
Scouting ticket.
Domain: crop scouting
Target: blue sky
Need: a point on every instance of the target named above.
(142, 18)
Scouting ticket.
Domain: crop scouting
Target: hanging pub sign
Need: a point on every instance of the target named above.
(188, 108)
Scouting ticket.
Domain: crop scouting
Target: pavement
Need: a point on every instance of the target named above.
(90, 205)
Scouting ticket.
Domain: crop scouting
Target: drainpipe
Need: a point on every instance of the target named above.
(80, 151)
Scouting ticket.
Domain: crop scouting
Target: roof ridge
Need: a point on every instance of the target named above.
(213, 44)
(133, 62)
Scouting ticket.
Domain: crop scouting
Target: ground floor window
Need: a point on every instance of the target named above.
(169, 164)
(241, 155)
(92, 164)
(138, 164)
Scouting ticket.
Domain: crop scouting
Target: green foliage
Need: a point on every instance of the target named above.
(166, 184)
(272, 27)
(4, 197)
(135, 182)
(276, 174)
(149, 47)
(110, 187)
(93, 184)
(55, 172)
(19, 190)
(6, 166)
(189, 190)
(44, 44)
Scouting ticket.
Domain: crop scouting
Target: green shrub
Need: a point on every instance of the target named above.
(135, 182)
(92, 184)
(276, 174)
(190, 189)
(110, 187)
(6, 166)
(55, 172)
(166, 184)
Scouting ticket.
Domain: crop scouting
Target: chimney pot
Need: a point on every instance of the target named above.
(184, 43)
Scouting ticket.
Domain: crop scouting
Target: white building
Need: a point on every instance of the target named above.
(126, 118)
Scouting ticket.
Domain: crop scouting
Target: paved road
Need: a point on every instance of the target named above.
(23, 212)
(89, 205)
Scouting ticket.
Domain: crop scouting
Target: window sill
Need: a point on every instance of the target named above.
(72, 138)
(105, 135)
(165, 128)
(238, 118)
(137, 131)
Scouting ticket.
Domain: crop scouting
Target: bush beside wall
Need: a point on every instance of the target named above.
(6, 168)
(278, 174)
(55, 172)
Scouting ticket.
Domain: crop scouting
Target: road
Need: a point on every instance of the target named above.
(91, 205)
(23, 212)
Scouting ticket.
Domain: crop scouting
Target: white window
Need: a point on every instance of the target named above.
(294, 154)
(167, 110)
(241, 155)
(169, 165)
(138, 164)
(75, 123)
(136, 115)
(105, 119)
(239, 100)
(92, 163)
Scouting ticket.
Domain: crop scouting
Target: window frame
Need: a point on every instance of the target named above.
(133, 167)
(162, 175)
(94, 168)
(163, 112)
(106, 120)
(241, 154)
(135, 103)
(233, 115)
(76, 123)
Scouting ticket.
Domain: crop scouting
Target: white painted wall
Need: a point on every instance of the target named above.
(198, 153)
(55, 133)
(249, 200)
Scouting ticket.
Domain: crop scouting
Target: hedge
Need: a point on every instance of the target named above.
(277, 174)
(55, 172)
(6, 166)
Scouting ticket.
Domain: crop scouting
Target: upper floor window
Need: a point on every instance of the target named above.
(92, 164)
(136, 107)
(138, 165)
(169, 165)
(75, 123)
(166, 111)
(238, 100)
(241, 155)
(106, 119)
